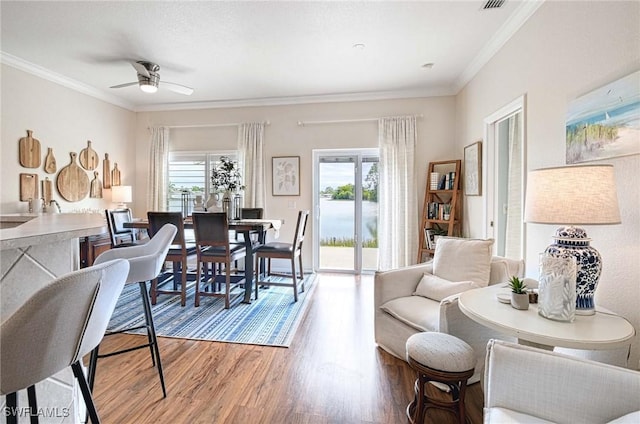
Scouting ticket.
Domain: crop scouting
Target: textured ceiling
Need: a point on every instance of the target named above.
(240, 53)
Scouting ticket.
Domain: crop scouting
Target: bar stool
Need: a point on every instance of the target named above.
(146, 262)
(445, 360)
(54, 329)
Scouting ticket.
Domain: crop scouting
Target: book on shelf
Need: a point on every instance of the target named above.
(438, 210)
(428, 239)
(447, 181)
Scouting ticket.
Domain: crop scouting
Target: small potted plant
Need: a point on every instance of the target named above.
(519, 295)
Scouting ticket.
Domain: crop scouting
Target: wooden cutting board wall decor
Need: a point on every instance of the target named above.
(88, 158)
(28, 187)
(50, 166)
(47, 190)
(106, 171)
(29, 151)
(96, 186)
(115, 175)
(73, 182)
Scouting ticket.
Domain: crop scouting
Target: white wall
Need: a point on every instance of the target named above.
(565, 50)
(64, 120)
(283, 137)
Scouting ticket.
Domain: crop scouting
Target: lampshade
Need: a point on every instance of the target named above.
(569, 196)
(572, 195)
(121, 194)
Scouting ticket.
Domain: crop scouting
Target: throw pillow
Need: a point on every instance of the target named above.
(458, 259)
(437, 288)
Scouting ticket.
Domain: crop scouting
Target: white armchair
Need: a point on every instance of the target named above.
(528, 385)
(413, 314)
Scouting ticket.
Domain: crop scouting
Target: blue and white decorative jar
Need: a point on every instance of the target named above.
(573, 242)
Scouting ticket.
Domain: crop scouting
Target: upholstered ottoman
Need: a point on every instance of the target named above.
(445, 360)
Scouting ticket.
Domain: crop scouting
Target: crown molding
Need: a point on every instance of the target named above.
(46, 74)
(283, 101)
(504, 33)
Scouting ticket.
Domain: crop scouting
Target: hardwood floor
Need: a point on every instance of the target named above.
(332, 373)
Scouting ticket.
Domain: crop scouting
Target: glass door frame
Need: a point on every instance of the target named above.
(491, 158)
(357, 155)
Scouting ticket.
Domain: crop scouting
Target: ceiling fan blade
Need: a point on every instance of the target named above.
(140, 68)
(177, 88)
(125, 84)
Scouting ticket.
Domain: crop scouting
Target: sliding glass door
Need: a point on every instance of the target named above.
(346, 210)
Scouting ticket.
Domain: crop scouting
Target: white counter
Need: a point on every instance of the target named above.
(46, 228)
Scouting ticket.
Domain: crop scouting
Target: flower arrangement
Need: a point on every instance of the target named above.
(226, 176)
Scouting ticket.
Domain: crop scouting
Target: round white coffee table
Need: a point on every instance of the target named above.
(601, 331)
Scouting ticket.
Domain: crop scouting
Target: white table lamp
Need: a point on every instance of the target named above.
(121, 195)
(574, 195)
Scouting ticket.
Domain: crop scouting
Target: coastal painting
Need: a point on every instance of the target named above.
(605, 123)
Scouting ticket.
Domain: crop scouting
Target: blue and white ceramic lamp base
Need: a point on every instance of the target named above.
(573, 242)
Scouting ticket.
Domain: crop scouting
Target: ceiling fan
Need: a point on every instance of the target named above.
(149, 79)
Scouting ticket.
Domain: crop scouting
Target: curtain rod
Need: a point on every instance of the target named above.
(340, 121)
(206, 125)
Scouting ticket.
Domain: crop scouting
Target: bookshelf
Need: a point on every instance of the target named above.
(442, 207)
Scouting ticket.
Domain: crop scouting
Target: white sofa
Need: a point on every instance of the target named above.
(528, 385)
(417, 313)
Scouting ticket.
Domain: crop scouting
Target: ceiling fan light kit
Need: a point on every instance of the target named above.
(149, 84)
(149, 79)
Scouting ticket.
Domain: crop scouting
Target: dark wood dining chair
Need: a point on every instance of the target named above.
(279, 250)
(178, 254)
(213, 247)
(121, 236)
(256, 239)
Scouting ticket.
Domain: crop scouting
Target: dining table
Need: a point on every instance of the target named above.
(246, 227)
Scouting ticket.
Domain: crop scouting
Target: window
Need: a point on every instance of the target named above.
(190, 172)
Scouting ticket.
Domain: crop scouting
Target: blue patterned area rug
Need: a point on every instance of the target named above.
(271, 320)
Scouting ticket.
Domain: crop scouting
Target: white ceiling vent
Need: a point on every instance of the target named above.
(493, 4)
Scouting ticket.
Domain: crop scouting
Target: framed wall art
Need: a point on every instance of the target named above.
(604, 123)
(286, 175)
(473, 169)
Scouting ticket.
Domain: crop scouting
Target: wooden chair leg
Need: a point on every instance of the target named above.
(293, 276)
(197, 294)
(154, 291)
(257, 268)
(301, 275)
(227, 289)
(183, 287)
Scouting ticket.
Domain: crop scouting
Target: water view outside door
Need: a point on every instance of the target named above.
(348, 200)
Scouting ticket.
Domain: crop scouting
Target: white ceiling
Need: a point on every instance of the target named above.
(250, 53)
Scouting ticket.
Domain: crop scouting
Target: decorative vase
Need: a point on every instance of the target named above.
(557, 288)
(573, 242)
(237, 206)
(227, 204)
(212, 202)
(198, 203)
(520, 300)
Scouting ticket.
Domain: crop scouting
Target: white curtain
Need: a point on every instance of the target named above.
(398, 221)
(513, 236)
(158, 166)
(251, 161)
